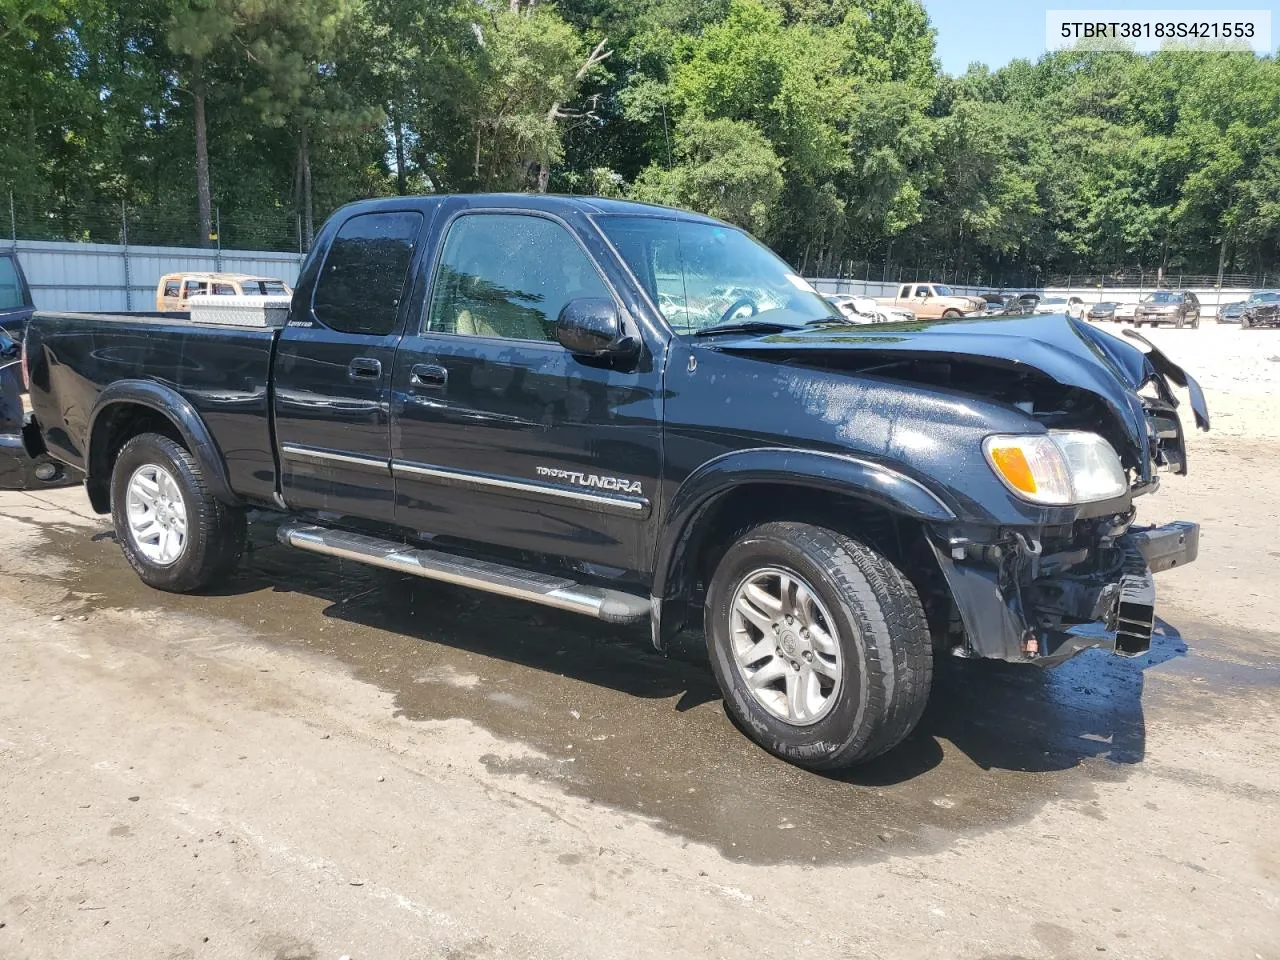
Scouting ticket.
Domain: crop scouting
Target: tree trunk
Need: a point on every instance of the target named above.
(397, 130)
(204, 192)
(308, 212)
(544, 177)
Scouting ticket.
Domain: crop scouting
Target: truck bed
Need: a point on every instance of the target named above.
(222, 370)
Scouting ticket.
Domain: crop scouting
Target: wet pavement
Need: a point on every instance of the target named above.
(622, 726)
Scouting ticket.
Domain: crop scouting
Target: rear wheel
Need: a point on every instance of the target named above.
(819, 644)
(173, 531)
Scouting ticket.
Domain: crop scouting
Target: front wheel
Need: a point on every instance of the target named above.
(951, 314)
(173, 531)
(819, 644)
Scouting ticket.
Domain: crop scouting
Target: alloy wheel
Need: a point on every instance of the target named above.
(785, 646)
(157, 514)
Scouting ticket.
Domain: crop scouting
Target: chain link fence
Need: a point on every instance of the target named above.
(868, 274)
(97, 222)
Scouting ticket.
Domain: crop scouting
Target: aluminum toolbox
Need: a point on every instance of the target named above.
(267, 312)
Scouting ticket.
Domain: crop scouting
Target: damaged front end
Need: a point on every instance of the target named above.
(1022, 597)
(1043, 559)
(1043, 594)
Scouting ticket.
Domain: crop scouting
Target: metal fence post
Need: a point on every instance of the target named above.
(128, 279)
(300, 251)
(13, 222)
(218, 234)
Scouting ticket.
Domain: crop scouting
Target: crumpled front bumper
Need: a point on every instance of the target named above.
(1014, 605)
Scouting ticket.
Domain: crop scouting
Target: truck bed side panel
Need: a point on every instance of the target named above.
(222, 371)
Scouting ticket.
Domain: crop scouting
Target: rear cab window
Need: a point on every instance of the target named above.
(361, 285)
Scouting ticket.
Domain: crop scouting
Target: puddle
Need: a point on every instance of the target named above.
(622, 726)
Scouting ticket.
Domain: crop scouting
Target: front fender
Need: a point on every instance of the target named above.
(874, 482)
(177, 409)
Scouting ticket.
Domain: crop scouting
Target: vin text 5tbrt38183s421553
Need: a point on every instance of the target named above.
(640, 414)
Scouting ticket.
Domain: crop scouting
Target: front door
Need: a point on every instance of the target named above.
(333, 369)
(499, 434)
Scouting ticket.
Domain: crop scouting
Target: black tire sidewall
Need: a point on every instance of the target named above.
(187, 572)
(849, 719)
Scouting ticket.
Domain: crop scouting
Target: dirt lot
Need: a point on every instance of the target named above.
(326, 761)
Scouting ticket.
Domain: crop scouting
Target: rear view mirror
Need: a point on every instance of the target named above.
(592, 327)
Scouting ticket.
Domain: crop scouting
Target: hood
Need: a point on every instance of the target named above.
(1068, 351)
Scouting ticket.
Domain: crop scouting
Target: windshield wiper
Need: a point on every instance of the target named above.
(746, 326)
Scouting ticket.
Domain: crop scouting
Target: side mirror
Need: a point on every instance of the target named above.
(591, 327)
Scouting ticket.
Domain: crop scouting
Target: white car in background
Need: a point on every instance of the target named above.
(857, 309)
(1071, 306)
(1125, 311)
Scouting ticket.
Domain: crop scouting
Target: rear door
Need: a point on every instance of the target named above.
(334, 362)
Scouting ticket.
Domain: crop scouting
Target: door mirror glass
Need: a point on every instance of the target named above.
(591, 327)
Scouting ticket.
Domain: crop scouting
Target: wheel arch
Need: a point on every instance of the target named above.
(758, 485)
(128, 408)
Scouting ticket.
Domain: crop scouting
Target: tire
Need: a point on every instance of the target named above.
(213, 535)
(951, 314)
(1178, 323)
(882, 645)
(1245, 323)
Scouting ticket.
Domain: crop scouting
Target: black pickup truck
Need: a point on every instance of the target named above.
(641, 414)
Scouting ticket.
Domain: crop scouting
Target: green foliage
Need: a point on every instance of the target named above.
(825, 126)
(727, 169)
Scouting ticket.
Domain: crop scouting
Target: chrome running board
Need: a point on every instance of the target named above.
(612, 606)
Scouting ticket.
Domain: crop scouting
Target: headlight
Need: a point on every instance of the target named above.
(1058, 467)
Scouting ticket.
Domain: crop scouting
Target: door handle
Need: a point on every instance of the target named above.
(428, 376)
(363, 368)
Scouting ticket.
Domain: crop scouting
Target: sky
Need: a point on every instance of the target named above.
(997, 31)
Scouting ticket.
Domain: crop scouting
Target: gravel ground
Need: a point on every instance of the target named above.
(324, 761)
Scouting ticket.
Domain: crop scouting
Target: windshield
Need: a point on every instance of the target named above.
(942, 290)
(1054, 301)
(1104, 305)
(1267, 297)
(1161, 296)
(702, 275)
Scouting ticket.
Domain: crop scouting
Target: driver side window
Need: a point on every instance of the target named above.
(508, 276)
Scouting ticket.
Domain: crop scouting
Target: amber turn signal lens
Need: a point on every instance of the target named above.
(1012, 464)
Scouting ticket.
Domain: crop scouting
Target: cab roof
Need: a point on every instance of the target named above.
(544, 202)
